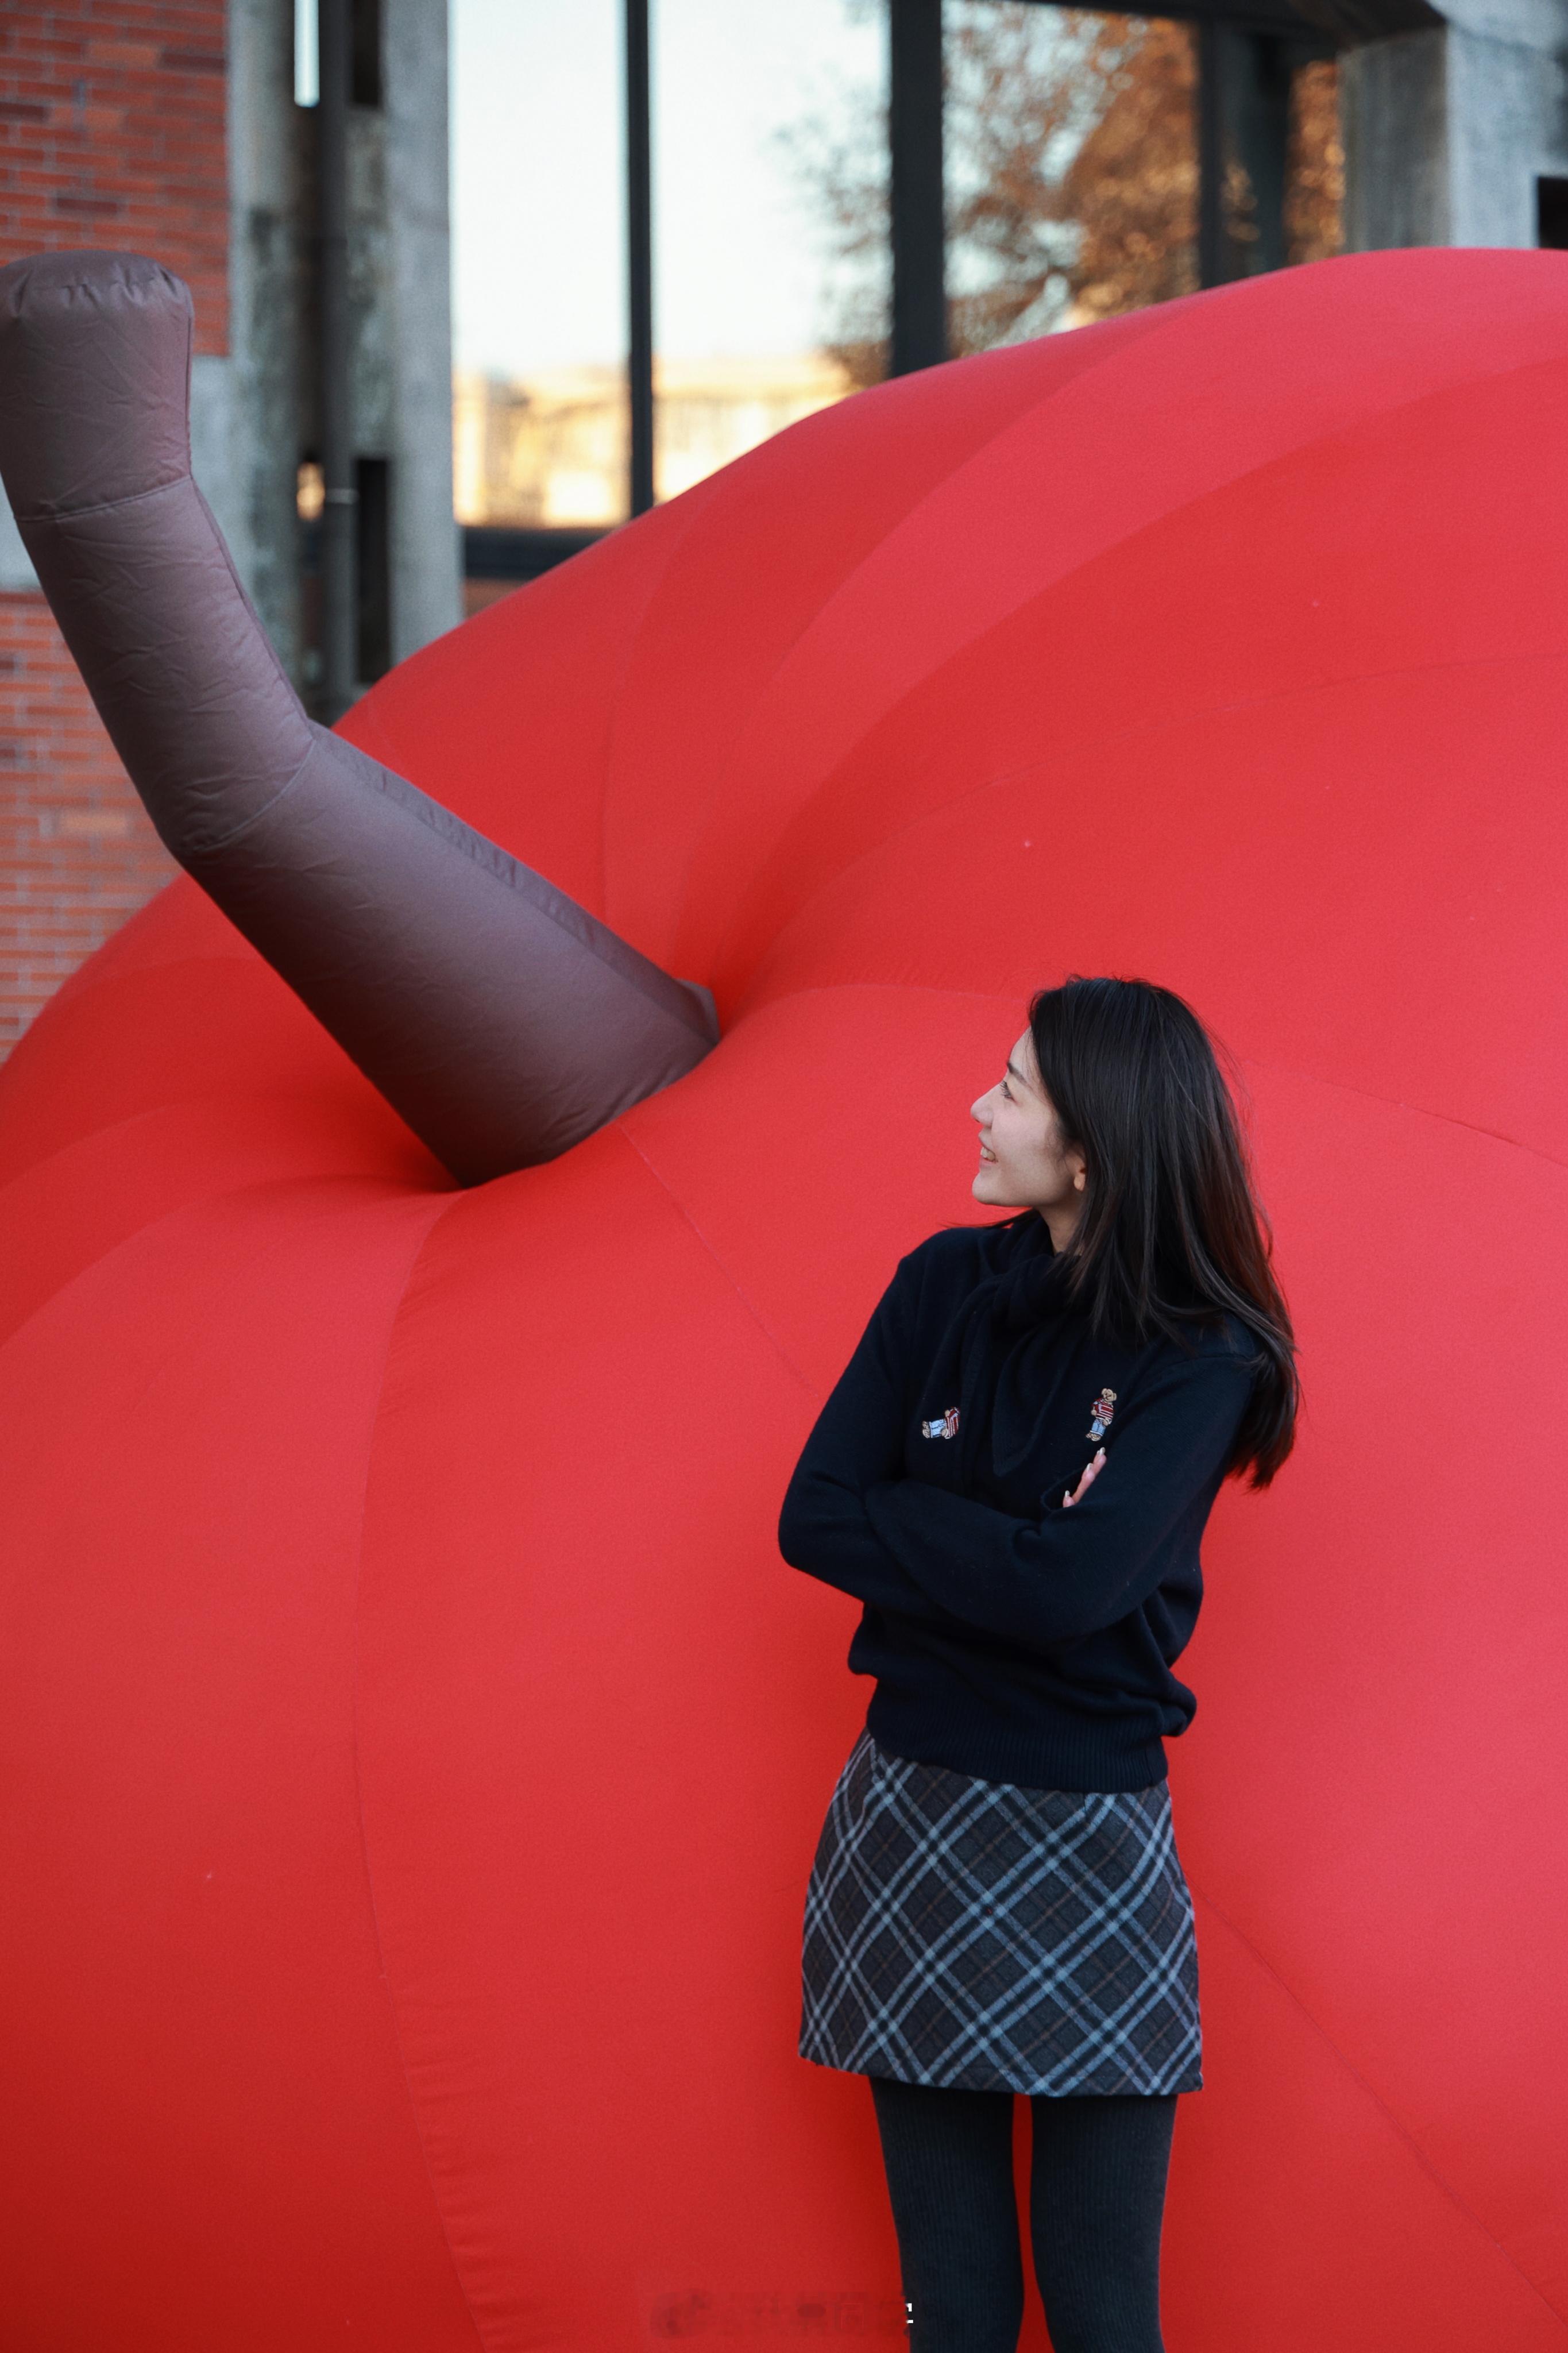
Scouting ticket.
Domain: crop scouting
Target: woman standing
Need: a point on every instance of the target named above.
(1013, 1475)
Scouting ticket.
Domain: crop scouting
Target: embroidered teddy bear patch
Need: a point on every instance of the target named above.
(1102, 1409)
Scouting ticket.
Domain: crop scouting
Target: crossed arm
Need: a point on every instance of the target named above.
(851, 1517)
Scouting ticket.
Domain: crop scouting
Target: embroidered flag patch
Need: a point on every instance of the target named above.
(1102, 1409)
(946, 1428)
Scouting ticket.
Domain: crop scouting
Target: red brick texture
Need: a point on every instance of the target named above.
(111, 134)
(77, 853)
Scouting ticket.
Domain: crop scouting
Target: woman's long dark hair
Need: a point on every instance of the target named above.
(1172, 1231)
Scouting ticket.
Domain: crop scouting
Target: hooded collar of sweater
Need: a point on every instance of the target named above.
(1008, 1336)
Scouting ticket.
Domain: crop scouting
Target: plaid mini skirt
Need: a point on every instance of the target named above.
(994, 1939)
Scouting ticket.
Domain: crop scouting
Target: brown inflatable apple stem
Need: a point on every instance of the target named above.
(500, 1019)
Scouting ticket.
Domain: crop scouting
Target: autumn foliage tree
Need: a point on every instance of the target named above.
(1072, 178)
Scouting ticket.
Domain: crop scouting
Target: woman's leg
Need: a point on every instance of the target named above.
(1096, 2200)
(949, 2156)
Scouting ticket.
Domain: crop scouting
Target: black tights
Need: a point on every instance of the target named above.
(1097, 2197)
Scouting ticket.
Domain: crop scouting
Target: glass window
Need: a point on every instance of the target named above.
(538, 266)
(1072, 189)
(742, 267)
(1073, 143)
(1071, 163)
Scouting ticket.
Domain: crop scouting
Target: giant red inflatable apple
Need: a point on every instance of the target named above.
(416, 1746)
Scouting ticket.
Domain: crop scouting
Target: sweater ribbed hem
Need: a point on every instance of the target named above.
(1067, 1754)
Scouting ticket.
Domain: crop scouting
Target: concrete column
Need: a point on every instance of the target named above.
(1393, 121)
(426, 556)
(400, 306)
(917, 225)
(1507, 121)
(1447, 131)
(251, 432)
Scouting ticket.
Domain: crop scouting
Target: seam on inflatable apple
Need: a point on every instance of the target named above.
(252, 1183)
(1379, 2103)
(754, 1011)
(1128, 329)
(1396, 1102)
(901, 987)
(440, 1210)
(1064, 749)
(1091, 738)
(752, 1309)
(222, 1193)
(1249, 1062)
(700, 495)
(1287, 450)
(81, 984)
(1134, 328)
(105, 506)
(247, 824)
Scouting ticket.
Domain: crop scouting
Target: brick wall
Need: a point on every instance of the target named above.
(111, 134)
(77, 851)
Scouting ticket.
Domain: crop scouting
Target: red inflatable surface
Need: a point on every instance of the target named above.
(416, 1746)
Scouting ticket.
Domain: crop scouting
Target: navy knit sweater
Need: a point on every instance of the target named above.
(1012, 1638)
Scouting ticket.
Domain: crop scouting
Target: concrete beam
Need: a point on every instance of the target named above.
(427, 550)
(1394, 123)
(1446, 132)
(256, 504)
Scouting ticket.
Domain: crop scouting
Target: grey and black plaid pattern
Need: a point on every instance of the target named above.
(970, 1932)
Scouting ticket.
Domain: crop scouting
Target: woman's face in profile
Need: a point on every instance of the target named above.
(1023, 1162)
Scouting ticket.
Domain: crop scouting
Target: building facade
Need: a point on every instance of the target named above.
(173, 129)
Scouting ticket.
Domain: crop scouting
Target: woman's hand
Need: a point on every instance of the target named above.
(1091, 1473)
